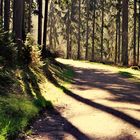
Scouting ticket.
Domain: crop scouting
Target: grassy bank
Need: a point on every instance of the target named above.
(19, 100)
(24, 92)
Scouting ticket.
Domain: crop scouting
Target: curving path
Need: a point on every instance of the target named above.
(99, 105)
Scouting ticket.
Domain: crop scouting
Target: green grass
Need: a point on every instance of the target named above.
(126, 74)
(21, 99)
(24, 92)
(133, 75)
(15, 114)
(62, 73)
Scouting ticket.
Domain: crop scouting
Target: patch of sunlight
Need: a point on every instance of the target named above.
(126, 72)
(50, 91)
(104, 125)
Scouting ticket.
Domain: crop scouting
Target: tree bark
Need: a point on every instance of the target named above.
(45, 27)
(135, 24)
(30, 16)
(1, 8)
(40, 22)
(70, 41)
(138, 49)
(116, 46)
(102, 31)
(6, 15)
(87, 27)
(119, 31)
(93, 30)
(125, 32)
(51, 23)
(18, 24)
(79, 32)
(68, 34)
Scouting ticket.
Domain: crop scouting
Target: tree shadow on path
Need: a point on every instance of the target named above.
(102, 82)
(114, 112)
(121, 89)
(55, 127)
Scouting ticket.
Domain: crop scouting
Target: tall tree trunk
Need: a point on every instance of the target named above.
(119, 30)
(30, 16)
(45, 28)
(51, 23)
(40, 22)
(79, 31)
(102, 31)
(6, 15)
(68, 34)
(125, 32)
(1, 8)
(116, 46)
(135, 24)
(70, 44)
(50, 36)
(18, 24)
(87, 27)
(138, 49)
(93, 30)
(24, 33)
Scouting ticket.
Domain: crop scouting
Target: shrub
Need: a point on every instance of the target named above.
(32, 53)
(8, 50)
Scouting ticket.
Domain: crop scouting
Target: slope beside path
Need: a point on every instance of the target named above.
(99, 105)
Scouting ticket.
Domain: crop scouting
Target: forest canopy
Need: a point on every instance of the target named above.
(103, 30)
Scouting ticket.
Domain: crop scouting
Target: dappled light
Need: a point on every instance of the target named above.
(69, 70)
(54, 126)
(106, 92)
(90, 106)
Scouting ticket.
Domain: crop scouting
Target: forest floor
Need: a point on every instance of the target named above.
(100, 104)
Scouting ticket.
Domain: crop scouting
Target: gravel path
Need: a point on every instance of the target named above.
(100, 105)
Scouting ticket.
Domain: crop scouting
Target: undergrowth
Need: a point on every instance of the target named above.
(26, 87)
(20, 100)
(25, 91)
(21, 92)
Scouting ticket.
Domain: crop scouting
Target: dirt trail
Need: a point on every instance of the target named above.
(100, 105)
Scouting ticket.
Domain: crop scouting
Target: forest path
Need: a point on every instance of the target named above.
(99, 105)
